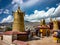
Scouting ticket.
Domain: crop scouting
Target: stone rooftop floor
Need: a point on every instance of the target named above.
(42, 41)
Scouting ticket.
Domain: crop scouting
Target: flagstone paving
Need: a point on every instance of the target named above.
(44, 41)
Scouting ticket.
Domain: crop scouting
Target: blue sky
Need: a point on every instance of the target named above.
(35, 10)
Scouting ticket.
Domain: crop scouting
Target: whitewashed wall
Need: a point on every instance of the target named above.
(0, 38)
(7, 39)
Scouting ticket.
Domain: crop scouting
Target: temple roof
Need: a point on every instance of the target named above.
(44, 27)
(13, 32)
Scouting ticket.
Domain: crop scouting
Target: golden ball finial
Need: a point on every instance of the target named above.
(55, 19)
(19, 10)
(18, 6)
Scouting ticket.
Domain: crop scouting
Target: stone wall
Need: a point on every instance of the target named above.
(7, 39)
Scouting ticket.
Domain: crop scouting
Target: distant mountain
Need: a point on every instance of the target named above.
(26, 23)
(6, 24)
(32, 23)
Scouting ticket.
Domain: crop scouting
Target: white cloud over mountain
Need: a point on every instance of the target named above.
(57, 11)
(38, 15)
(7, 19)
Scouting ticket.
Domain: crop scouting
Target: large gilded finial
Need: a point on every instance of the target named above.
(18, 23)
(42, 22)
(19, 10)
(55, 25)
(18, 7)
(55, 19)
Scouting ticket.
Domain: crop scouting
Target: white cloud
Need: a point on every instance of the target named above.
(48, 19)
(7, 19)
(35, 21)
(33, 17)
(17, 1)
(50, 12)
(30, 3)
(57, 11)
(23, 4)
(39, 15)
(58, 18)
(6, 11)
